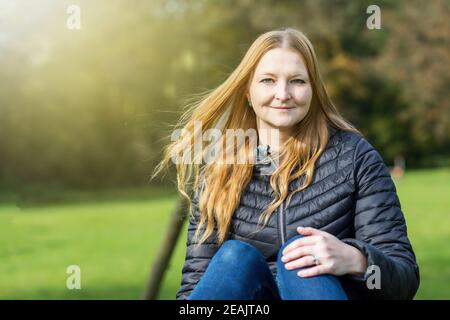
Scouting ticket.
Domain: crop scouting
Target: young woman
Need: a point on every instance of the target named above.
(314, 216)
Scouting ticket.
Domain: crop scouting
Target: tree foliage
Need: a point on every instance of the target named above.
(94, 107)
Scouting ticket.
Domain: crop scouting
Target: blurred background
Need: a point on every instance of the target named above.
(85, 113)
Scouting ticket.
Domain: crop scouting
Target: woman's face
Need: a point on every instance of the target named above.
(280, 91)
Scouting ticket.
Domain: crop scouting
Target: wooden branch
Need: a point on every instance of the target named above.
(163, 258)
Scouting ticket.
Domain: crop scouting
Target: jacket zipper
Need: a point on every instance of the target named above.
(281, 224)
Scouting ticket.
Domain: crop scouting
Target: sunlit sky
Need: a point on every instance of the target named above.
(19, 17)
(24, 27)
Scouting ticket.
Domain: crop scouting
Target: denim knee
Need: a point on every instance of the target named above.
(232, 251)
(280, 251)
(238, 271)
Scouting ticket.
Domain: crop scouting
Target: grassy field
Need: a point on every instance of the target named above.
(114, 242)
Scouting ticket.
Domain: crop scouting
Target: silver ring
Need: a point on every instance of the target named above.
(315, 260)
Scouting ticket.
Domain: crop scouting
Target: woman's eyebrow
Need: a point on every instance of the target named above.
(294, 75)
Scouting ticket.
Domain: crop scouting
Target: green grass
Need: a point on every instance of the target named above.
(114, 243)
(425, 199)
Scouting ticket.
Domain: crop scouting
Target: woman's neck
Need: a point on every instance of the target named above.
(275, 138)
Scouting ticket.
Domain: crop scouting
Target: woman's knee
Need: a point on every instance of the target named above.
(280, 251)
(232, 251)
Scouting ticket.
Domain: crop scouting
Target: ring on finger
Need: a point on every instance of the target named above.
(315, 260)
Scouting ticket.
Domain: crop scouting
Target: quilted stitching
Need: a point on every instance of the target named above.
(352, 196)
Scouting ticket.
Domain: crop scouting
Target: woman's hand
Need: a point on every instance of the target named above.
(333, 256)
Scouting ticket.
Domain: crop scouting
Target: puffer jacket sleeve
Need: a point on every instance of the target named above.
(197, 258)
(380, 230)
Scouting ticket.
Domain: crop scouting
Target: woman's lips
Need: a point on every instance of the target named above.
(283, 108)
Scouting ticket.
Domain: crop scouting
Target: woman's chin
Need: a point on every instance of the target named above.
(282, 123)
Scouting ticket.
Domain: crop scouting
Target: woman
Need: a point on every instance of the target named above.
(314, 216)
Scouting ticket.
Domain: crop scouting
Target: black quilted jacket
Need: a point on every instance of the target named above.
(352, 196)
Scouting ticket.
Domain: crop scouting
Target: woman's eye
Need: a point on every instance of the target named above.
(268, 80)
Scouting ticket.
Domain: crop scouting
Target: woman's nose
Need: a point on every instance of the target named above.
(282, 92)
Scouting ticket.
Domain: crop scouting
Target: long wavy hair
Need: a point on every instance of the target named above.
(226, 107)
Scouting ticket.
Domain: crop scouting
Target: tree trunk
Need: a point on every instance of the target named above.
(166, 249)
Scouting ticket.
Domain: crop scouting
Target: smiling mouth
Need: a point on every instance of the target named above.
(282, 108)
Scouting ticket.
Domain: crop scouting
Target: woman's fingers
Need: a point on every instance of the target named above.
(304, 241)
(297, 253)
(308, 231)
(303, 262)
(313, 271)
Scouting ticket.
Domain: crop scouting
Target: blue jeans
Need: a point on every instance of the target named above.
(238, 271)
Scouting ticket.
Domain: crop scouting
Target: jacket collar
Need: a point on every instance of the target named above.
(264, 163)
